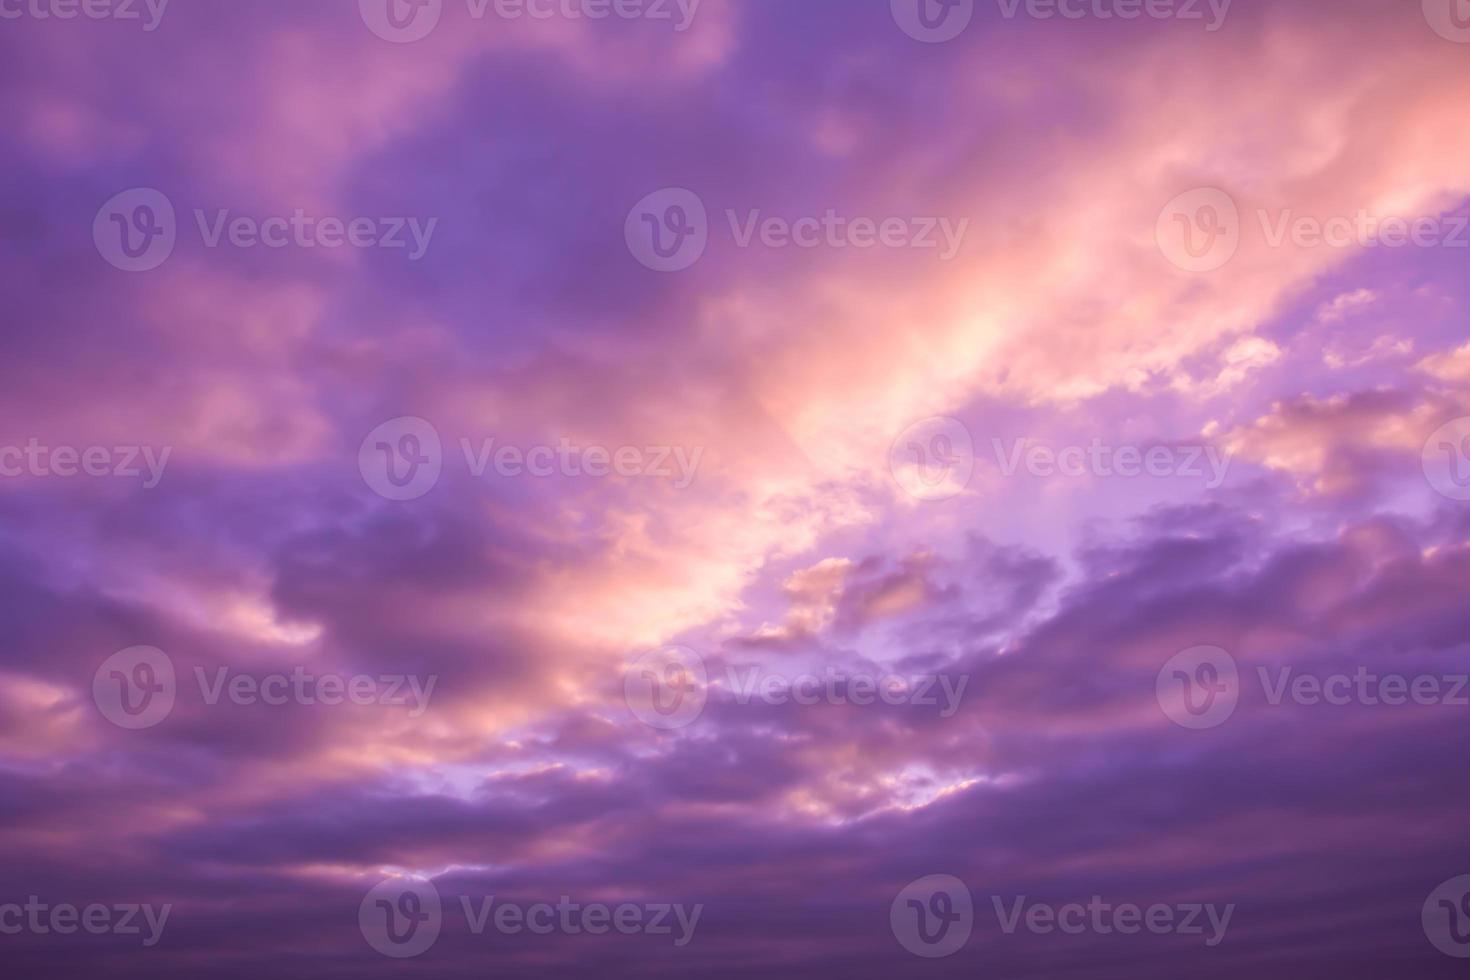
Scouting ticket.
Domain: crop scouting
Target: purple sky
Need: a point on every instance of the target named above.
(737, 488)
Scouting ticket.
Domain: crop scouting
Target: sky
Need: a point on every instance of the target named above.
(849, 488)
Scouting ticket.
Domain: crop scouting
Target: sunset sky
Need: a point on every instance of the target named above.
(843, 473)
